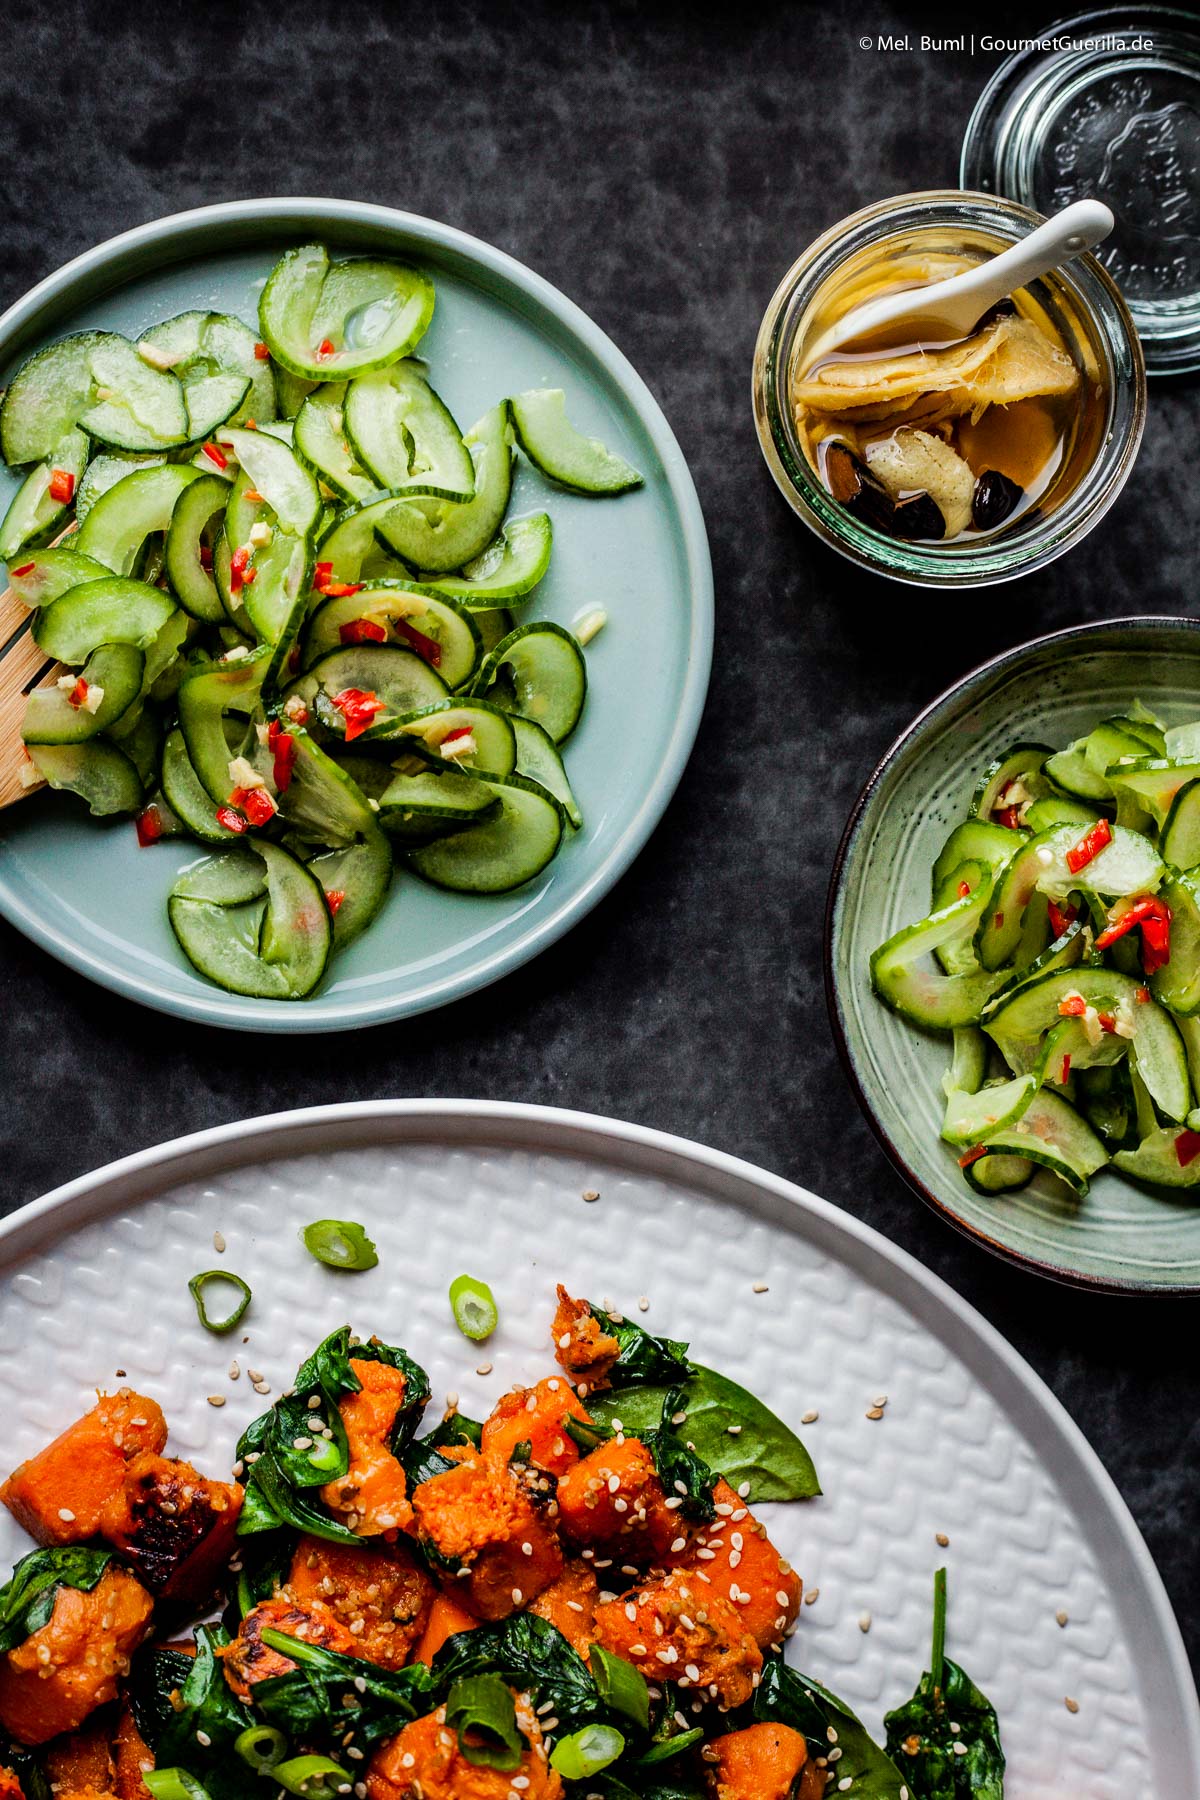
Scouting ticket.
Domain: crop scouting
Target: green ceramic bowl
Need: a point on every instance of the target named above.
(83, 889)
(1120, 1237)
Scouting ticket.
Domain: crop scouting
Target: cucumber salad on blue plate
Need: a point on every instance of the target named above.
(1062, 951)
(283, 584)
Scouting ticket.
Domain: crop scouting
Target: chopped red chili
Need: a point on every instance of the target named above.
(78, 694)
(363, 631)
(1066, 1070)
(999, 920)
(322, 573)
(340, 590)
(257, 805)
(1187, 1147)
(972, 1155)
(254, 497)
(1090, 845)
(1009, 817)
(231, 819)
(325, 348)
(358, 708)
(262, 352)
(964, 888)
(461, 731)
(1060, 917)
(62, 486)
(25, 569)
(1073, 1007)
(249, 576)
(1108, 1022)
(205, 557)
(216, 456)
(334, 898)
(238, 565)
(1142, 996)
(1154, 917)
(282, 746)
(149, 826)
(426, 647)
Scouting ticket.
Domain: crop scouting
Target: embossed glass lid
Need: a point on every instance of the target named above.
(1108, 104)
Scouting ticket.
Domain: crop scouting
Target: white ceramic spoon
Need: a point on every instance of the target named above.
(945, 310)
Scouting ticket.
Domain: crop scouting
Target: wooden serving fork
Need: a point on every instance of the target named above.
(22, 667)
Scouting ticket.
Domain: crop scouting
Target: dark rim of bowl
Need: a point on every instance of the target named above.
(1070, 635)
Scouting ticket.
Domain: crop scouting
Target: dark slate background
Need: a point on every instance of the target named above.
(663, 166)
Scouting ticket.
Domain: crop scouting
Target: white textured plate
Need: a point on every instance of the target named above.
(971, 1444)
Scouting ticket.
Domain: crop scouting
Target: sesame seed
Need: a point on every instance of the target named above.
(313, 1402)
(218, 1242)
(812, 1596)
(202, 1737)
(809, 1418)
(874, 1412)
(1060, 1619)
(1072, 1706)
(66, 1515)
(844, 1783)
(959, 1749)
(255, 1375)
(744, 1490)
(234, 1370)
(452, 1401)
(941, 1538)
(760, 1287)
(262, 1387)
(879, 1400)
(589, 1194)
(864, 1623)
(643, 1303)
(216, 1399)
(485, 1368)
(678, 1545)
(517, 1596)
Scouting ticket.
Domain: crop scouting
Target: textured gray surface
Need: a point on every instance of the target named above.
(663, 166)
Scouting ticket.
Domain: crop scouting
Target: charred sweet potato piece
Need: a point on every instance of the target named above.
(59, 1493)
(735, 1550)
(760, 1763)
(613, 1498)
(132, 1755)
(248, 1659)
(536, 1416)
(379, 1592)
(424, 1763)
(62, 1672)
(480, 1517)
(10, 1787)
(173, 1526)
(570, 1603)
(447, 1617)
(581, 1345)
(370, 1497)
(686, 1630)
(81, 1762)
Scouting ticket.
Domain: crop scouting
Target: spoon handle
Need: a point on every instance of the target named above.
(1077, 228)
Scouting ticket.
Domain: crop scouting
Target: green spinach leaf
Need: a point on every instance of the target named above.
(642, 1359)
(530, 1653)
(197, 1732)
(27, 1598)
(947, 1737)
(786, 1697)
(333, 1700)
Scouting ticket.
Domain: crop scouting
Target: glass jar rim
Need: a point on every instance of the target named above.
(978, 562)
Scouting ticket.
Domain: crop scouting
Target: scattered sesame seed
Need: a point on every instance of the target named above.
(218, 1242)
(874, 1412)
(202, 1737)
(216, 1399)
(262, 1387)
(734, 1430)
(744, 1490)
(879, 1400)
(864, 1622)
(120, 1373)
(234, 1369)
(1060, 1618)
(939, 1537)
(760, 1287)
(66, 1515)
(589, 1194)
(1072, 1706)
(844, 1783)
(452, 1401)
(812, 1596)
(485, 1368)
(809, 1418)
(643, 1303)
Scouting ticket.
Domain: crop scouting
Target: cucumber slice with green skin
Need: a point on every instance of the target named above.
(552, 444)
(976, 840)
(159, 680)
(416, 809)
(1129, 864)
(352, 549)
(403, 432)
(495, 744)
(1057, 809)
(322, 802)
(493, 627)
(1019, 1025)
(548, 677)
(35, 515)
(132, 406)
(98, 772)
(48, 393)
(1051, 1134)
(971, 1118)
(1139, 723)
(112, 611)
(403, 681)
(538, 760)
(195, 524)
(1066, 1046)
(190, 800)
(957, 957)
(999, 1173)
(502, 853)
(122, 519)
(1063, 953)
(142, 741)
(510, 567)
(1111, 743)
(1180, 843)
(1022, 763)
(937, 1002)
(276, 472)
(968, 1062)
(370, 313)
(275, 949)
(441, 535)
(198, 346)
(1106, 1101)
(113, 669)
(104, 472)
(1069, 772)
(1157, 1160)
(455, 647)
(235, 612)
(361, 874)
(230, 878)
(291, 392)
(1153, 782)
(276, 602)
(320, 443)
(1177, 984)
(207, 699)
(45, 575)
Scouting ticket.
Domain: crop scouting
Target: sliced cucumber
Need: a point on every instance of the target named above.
(202, 347)
(1059, 809)
(1067, 1051)
(1051, 1134)
(1063, 953)
(112, 611)
(355, 880)
(501, 853)
(132, 406)
(45, 397)
(46, 574)
(190, 800)
(439, 535)
(404, 433)
(492, 746)
(1180, 842)
(322, 802)
(552, 444)
(1153, 782)
(1070, 773)
(122, 519)
(542, 667)
(104, 472)
(368, 313)
(36, 513)
(970, 1118)
(433, 803)
(1129, 864)
(436, 630)
(320, 441)
(273, 949)
(1177, 984)
(230, 878)
(538, 760)
(510, 567)
(999, 1173)
(292, 391)
(968, 1062)
(1163, 1159)
(938, 1002)
(195, 526)
(403, 681)
(976, 840)
(139, 734)
(277, 473)
(276, 602)
(1022, 763)
(98, 772)
(352, 549)
(493, 627)
(113, 672)
(214, 695)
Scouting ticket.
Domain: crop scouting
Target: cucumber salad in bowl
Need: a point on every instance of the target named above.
(1062, 952)
(281, 586)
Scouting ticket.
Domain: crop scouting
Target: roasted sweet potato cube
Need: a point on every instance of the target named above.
(59, 1493)
(248, 1659)
(379, 1591)
(736, 1551)
(613, 1499)
(447, 1617)
(424, 1762)
(10, 1787)
(537, 1416)
(132, 1755)
(570, 1603)
(686, 1630)
(50, 1683)
(173, 1526)
(480, 1517)
(581, 1344)
(82, 1761)
(760, 1763)
(371, 1498)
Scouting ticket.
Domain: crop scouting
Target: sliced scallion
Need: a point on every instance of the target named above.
(481, 1709)
(316, 1777)
(474, 1306)
(262, 1746)
(199, 1283)
(173, 1784)
(584, 1753)
(620, 1685)
(340, 1244)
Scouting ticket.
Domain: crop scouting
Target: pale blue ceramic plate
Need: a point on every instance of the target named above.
(1051, 691)
(86, 893)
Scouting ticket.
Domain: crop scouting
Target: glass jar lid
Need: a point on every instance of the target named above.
(1107, 104)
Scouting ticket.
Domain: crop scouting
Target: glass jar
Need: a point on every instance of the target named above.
(1084, 305)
